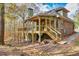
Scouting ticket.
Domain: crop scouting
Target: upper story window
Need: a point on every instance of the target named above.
(62, 13)
(30, 12)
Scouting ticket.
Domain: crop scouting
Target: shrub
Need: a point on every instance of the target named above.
(77, 42)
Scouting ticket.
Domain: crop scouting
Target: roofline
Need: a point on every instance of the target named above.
(62, 8)
(48, 16)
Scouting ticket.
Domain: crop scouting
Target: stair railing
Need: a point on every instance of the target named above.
(51, 31)
(58, 33)
(54, 32)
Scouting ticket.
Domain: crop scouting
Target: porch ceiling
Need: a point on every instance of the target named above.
(42, 17)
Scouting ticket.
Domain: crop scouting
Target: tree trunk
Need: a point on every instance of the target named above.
(2, 25)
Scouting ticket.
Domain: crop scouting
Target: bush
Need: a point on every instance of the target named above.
(77, 42)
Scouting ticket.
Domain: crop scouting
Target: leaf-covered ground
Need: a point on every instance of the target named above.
(71, 48)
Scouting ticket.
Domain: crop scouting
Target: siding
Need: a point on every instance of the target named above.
(68, 27)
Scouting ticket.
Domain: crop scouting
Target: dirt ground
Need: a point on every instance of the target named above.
(41, 49)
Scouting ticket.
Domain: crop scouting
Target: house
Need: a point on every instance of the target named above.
(53, 24)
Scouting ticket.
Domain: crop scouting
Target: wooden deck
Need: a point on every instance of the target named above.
(40, 25)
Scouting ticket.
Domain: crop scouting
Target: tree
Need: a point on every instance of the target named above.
(2, 24)
(15, 14)
(77, 19)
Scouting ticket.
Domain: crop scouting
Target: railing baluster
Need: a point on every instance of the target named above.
(54, 32)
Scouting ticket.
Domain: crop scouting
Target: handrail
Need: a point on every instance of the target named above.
(51, 29)
(54, 33)
(55, 30)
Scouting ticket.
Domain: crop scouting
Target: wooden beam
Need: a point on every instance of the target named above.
(46, 23)
(32, 37)
(36, 26)
(39, 40)
(50, 21)
(27, 36)
(32, 33)
(55, 23)
(18, 36)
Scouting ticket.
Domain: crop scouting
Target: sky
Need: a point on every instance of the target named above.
(72, 7)
(55, 5)
(49, 6)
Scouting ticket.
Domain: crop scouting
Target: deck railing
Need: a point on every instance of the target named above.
(35, 28)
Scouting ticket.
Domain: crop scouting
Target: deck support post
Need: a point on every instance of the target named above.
(18, 36)
(27, 35)
(46, 24)
(39, 40)
(32, 33)
(32, 37)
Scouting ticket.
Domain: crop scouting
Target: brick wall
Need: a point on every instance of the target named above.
(68, 27)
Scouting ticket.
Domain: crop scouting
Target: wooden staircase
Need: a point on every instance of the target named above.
(54, 34)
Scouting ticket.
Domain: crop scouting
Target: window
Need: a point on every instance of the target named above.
(30, 12)
(65, 14)
(62, 13)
